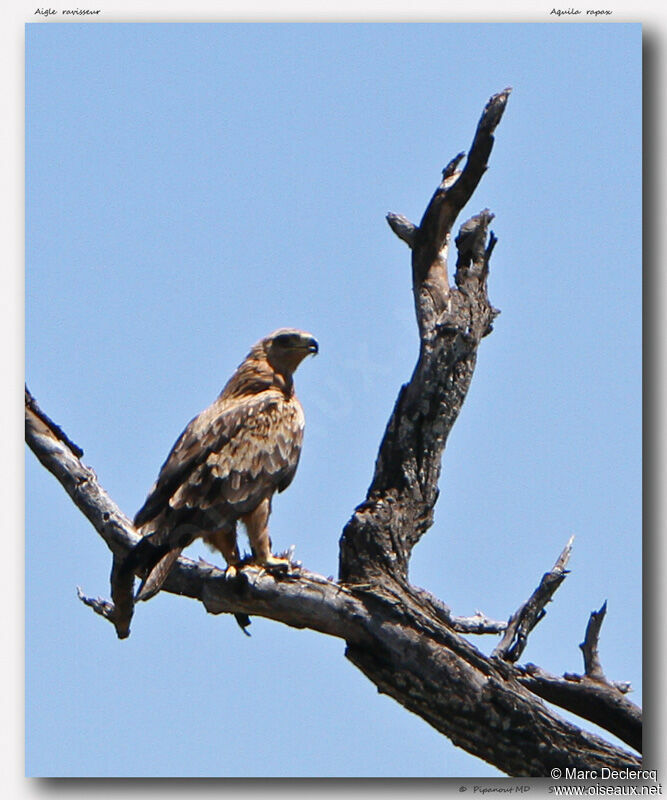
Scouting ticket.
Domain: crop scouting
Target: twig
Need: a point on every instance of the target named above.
(592, 665)
(479, 623)
(403, 228)
(102, 607)
(589, 647)
(526, 617)
(56, 430)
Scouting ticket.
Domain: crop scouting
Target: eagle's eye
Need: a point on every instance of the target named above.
(284, 340)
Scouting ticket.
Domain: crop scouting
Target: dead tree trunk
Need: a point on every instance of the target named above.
(403, 639)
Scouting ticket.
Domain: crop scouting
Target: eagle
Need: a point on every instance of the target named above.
(223, 469)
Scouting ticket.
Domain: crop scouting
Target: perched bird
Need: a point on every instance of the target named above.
(225, 468)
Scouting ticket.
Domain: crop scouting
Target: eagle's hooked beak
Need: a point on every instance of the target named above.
(312, 346)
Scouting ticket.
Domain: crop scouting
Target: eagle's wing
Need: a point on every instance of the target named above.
(182, 459)
(188, 451)
(229, 458)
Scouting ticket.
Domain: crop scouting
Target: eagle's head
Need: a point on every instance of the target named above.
(271, 362)
(286, 348)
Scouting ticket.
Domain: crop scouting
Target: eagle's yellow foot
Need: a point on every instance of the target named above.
(231, 572)
(275, 563)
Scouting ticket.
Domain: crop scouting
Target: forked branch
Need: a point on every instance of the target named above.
(604, 701)
(452, 320)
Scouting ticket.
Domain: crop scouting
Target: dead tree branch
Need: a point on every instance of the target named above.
(603, 704)
(378, 540)
(591, 695)
(55, 453)
(589, 647)
(422, 632)
(522, 622)
(405, 640)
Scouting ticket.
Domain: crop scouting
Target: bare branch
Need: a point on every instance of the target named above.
(449, 173)
(100, 606)
(80, 482)
(591, 696)
(403, 228)
(37, 416)
(471, 244)
(479, 623)
(589, 647)
(526, 617)
(601, 703)
(377, 542)
(448, 200)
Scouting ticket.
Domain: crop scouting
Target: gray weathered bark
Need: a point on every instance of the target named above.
(405, 640)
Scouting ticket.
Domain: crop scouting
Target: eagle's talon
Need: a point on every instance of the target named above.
(276, 564)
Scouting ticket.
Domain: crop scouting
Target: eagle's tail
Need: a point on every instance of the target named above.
(152, 583)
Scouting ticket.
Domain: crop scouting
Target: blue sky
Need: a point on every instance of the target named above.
(189, 188)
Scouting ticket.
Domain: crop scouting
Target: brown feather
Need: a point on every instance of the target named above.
(230, 458)
(152, 583)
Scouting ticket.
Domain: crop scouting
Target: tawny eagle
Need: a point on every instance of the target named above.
(226, 466)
